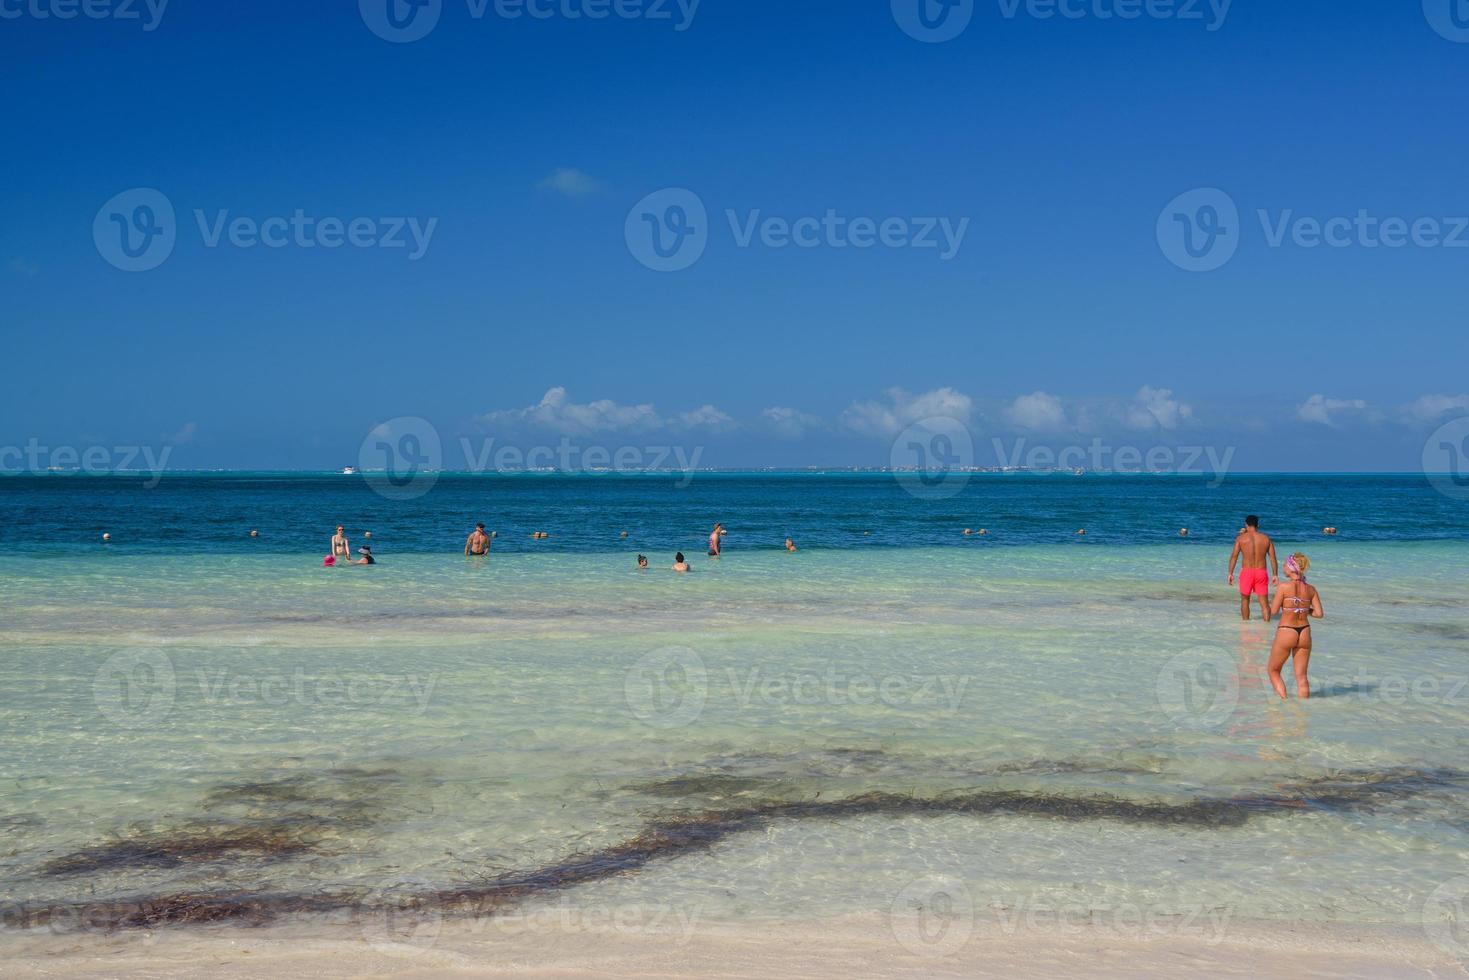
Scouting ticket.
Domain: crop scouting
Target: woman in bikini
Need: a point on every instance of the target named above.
(1296, 603)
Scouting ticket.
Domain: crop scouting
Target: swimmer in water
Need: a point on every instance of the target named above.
(341, 547)
(642, 563)
(366, 552)
(679, 565)
(714, 537)
(478, 543)
(1252, 549)
(1297, 603)
(790, 545)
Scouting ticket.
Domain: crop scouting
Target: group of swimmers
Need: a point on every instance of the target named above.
(1297, 602)
(479, 542)
(341, 553)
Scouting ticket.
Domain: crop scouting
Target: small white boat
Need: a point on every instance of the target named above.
(349, 471)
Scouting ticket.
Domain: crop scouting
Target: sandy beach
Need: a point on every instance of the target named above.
(844, 947)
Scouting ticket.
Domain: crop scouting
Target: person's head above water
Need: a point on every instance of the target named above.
(1252, 522)
(479, 527)
(642, 561)
(678, 557)
(340, 528)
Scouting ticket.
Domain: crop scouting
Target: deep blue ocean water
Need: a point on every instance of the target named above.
(296, 512)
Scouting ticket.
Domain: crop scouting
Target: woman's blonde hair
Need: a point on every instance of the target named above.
(1300, 563)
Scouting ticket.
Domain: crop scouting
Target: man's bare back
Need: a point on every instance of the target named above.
(1254, 546)
(1252, 549)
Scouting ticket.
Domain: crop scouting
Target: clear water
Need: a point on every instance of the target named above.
(437, 720)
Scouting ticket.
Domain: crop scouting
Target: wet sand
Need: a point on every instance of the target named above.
(844, 947)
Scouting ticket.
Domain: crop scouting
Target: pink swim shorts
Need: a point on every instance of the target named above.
(1253, 580)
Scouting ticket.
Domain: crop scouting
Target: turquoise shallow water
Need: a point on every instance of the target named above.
(253, 724)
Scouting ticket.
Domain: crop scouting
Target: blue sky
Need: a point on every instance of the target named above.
(1065, 148)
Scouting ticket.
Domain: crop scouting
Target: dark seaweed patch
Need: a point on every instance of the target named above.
(680, 834)
(264, 820)
(173, 850)
(713, 785)
(1453, 632)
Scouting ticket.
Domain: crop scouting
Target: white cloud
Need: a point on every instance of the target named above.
(788, 423)
(1037, 410)
(569, 181)
(1430, 407)
(705, 417)
(557, 413)
(901, 410)
(1320, 409)
(1156, 408)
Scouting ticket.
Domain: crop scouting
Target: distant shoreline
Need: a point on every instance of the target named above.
(731, 471)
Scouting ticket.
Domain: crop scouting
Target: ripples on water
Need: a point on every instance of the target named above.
(497, 754)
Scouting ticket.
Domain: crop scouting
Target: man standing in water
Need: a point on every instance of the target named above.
(1252, 548)
(478, 544)
(714, 537)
